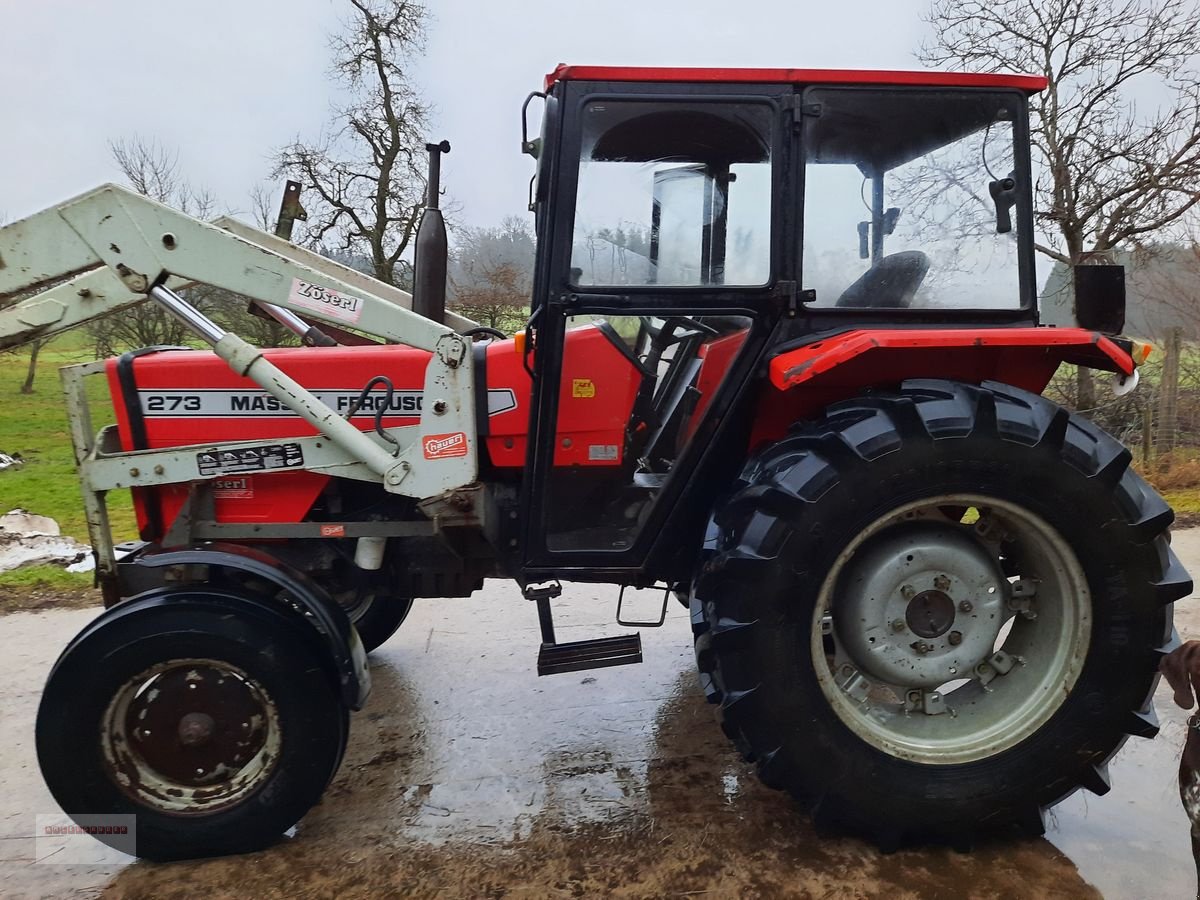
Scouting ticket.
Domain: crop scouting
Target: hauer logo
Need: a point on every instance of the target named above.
(445, 446)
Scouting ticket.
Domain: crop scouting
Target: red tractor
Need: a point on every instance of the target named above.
(784, 362)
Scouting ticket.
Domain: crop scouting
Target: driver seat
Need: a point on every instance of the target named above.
(889, 284)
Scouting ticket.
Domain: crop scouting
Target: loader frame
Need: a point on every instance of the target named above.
(109, 249)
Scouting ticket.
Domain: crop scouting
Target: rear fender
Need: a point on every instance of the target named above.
(835, 368)
(299, 598)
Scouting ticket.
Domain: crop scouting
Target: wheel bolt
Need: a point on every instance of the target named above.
(907, 592)
(955, 637)
(965, 606)
(942, 583)
(897, 624)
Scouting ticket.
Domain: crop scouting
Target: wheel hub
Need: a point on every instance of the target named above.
(920, 605)
(930, 614)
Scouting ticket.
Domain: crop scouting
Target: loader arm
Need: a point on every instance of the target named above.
(111, 248)
(102, 251)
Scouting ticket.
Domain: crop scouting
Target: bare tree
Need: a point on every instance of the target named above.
(1112, 173)
(491, 274)
(366, 174)
(153, 170)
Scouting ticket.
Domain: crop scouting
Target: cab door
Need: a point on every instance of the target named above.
(667, 272)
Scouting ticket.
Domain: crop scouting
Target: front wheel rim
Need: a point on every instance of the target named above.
(191, 736)
(994, 695)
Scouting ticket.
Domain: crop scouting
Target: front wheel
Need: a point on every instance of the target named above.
(937, 612)
(213, 722)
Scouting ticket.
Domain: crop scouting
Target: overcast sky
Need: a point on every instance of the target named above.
(225, 81)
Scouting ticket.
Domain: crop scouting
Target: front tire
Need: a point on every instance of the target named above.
(213, 721)
(911, 711)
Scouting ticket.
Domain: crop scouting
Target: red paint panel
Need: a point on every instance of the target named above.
(277, 496)
(595, 402)
(195, 396)
(841, 367)
(718, 356)
(1029, 83)
(827, 359)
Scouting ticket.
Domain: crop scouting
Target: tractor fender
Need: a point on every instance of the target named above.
(831, 368)
(1023, 357)
(304, 602)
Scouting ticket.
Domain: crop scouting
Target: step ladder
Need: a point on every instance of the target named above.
(555, 658)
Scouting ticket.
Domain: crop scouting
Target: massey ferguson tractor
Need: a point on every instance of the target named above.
(784, 364)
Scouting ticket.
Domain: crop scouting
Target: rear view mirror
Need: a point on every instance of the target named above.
(1100, 298)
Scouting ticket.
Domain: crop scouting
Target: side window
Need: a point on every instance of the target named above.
(673, 195)
(909, 200)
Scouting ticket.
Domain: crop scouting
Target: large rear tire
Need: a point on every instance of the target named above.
(938, 611)
(213, 721)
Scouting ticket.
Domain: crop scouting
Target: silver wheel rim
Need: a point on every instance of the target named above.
(951, 693)
(191, 736)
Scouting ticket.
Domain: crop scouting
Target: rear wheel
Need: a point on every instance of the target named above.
(937, 612)
(214, 723)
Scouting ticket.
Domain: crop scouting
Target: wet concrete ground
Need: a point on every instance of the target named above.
(468, 776)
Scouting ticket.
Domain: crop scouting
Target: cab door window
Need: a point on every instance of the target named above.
(673, 196)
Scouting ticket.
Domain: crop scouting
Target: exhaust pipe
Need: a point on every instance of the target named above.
(430, 250)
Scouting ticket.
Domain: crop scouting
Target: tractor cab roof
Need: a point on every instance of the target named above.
(1030, 84)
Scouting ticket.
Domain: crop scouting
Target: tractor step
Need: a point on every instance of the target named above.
(622, 650)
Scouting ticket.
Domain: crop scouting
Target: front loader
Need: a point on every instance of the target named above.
(784, 364)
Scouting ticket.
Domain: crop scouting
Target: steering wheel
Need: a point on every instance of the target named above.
(690, 328)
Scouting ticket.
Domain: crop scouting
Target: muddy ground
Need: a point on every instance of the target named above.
(468, 776)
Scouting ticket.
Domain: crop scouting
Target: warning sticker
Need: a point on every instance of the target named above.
(325, 300)
(584, 388)
(265, 458)
(445, 446)
(602, 452)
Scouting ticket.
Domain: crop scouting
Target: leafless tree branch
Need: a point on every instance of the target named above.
(367, 171)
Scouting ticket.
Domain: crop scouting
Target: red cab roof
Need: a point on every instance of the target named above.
(1028, 83)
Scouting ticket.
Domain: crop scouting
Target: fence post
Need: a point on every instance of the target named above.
(1168, 408)
(1147, 435)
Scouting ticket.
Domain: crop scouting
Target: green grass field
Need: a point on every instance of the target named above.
(35, 426)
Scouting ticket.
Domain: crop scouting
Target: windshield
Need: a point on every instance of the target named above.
(910, 199)
(673, 194)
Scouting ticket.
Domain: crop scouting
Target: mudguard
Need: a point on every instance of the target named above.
(1023, 357)
(299, 599)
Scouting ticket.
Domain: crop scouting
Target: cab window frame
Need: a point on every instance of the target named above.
(771, 95)
(812, 100)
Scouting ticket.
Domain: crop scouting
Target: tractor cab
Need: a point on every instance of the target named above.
(702, 219)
